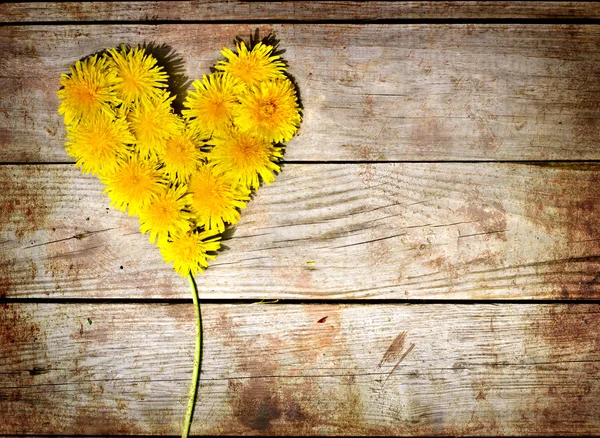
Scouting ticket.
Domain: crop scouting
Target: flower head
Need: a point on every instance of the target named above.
(190, 252)
(212, 105)
(271, 110)
(138, 77)
(246, 157)
(182, 155)
(88, 91)
(166, 215)
(254, 66)
(153, 122)
(97, 143)
(133, 184)
(215, 198)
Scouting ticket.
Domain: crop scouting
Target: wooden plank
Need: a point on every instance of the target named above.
(211, 10)
(328, 231)
(274, 369)
(370, 92)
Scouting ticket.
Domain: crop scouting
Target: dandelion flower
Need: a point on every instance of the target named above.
(134, 183)
(182, 155)
(211, 106)
(166, 216)
(97, 143)
(88, 91)
(254, 66)
(137, 74)
(246, 157)
(190, 252)
(271, 110)
(153, 122)
(215, 198)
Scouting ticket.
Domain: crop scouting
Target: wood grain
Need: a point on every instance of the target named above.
(328, 231)
(211, 10)
(273, 369)
(370, 92)
(341, 222)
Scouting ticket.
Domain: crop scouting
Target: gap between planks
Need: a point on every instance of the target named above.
(152, 12)
(312, 301)
(258, 22)
(557, 163)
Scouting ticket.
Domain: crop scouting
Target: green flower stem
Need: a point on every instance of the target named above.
(189, 413)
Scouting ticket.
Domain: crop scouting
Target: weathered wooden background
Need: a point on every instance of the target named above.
(433, 237)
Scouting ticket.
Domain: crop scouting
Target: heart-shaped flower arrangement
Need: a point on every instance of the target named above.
(186, 176)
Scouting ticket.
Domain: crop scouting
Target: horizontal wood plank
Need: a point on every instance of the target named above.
(324, 231)
(209, 10)
(277, 369)
(370, 92)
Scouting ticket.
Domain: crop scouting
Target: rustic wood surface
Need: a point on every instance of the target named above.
(219, 10)
(375, 230)
(449, 152)
(275, 369)
(370, 92)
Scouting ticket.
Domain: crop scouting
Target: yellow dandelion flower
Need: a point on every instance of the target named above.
(246, 157)
(182, 155)
(271, 110)
(97, 143)
(166, 215)
(88, 91)
(133, 184)
(215, 198)
(153, 122)
(254, 66)
(211, 106)
(138, 76)
(190, 252)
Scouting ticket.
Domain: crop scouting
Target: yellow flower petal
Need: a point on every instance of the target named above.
(190, 252)
(182, 154)
(138, 77)
(215, 198)
(246, 157)
(271, 110)
(166, 215)
(88, 91)
(212, 105)
(97, 143)
(134, 183)
(153, 122)
(254, 66)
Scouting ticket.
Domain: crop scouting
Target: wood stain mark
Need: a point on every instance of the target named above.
(50, 131)
(256, 403)
(26, 208)
(408, 350)
(566, 333)
(394, 350)
(21, 337)
(551, 196)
